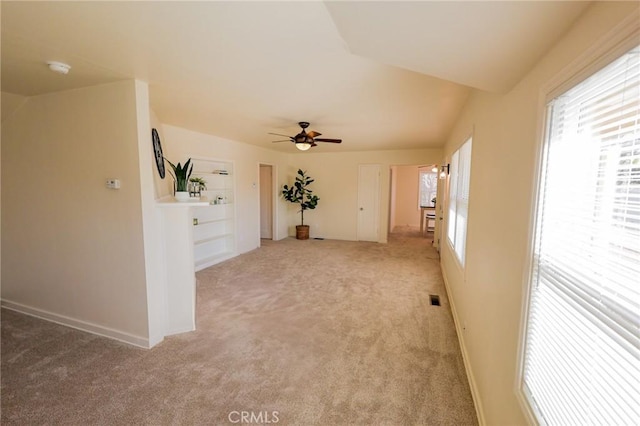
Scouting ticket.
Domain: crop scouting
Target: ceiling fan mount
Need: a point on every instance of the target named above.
(304, 140)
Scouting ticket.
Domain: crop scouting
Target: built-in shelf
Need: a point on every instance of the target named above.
(206, 222)
(190, 248)
(214, 236)
(170, 201)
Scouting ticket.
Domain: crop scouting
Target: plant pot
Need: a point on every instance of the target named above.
(302, 232)
(182, 196)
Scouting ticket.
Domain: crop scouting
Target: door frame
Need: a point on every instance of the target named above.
(439, 198)
(274, 201)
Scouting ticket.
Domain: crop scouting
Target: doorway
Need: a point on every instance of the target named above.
(413, 189)
(266, 201)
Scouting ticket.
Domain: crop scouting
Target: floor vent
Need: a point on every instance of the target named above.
(435, 300)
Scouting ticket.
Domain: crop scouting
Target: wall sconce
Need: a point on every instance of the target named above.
(444, 171)
(434, 169)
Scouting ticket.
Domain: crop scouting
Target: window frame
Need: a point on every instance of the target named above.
(460, 258)
(611, 46)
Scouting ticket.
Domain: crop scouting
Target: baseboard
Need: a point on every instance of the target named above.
(475, 394)
(77, 324)
(154, 340)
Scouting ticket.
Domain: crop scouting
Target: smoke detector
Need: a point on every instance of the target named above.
(59, 67)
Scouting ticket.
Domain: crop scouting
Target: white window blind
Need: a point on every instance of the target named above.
(582, 356)
(460, 173)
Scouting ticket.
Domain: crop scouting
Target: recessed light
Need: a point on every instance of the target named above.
(59, 67)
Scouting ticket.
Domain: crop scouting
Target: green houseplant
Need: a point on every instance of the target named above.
(181, 176)
(196, 186)
(299, 193)
(202, 184)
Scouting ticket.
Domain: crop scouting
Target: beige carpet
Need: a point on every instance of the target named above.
(302, 332)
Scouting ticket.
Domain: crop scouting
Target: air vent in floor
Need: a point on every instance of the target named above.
(435, 300)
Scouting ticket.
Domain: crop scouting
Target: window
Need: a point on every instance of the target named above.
(582, 348)
(428, 187)
(460, 172)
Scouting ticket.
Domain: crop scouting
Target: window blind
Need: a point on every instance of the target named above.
(460, 169)
(582, 351)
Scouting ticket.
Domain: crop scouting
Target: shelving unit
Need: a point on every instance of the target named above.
(214, 233)
(177, 241)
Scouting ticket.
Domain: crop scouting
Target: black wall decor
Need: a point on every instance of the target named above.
(157, 151)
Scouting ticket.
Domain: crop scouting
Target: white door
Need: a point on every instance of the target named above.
(368, 202)
(266, 201)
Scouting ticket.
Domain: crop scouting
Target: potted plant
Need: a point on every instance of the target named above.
(196, 186)
(199, 182)
(181, 176)
(299, 193)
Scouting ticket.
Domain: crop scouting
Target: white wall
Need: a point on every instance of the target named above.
(182, 144)
(156, 278)
(488, 294)
(406, 203)
(336, 184)
(10, 103)
(76, 248)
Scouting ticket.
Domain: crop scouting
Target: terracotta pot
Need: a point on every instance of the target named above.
(302, 232)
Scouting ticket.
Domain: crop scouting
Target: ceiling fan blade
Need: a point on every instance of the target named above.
(313, 134)
(328, 140)
(278, 134)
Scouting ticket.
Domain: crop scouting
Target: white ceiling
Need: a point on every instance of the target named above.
(379, 75)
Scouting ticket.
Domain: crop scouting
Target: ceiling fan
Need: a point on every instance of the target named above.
(304, 140)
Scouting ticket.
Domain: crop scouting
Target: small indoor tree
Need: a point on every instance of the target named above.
(299, 193)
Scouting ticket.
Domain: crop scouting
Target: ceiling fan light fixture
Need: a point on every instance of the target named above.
(303, 146)
(303, 140)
